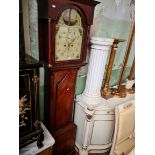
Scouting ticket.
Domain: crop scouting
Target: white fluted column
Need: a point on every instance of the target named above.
(97, 61)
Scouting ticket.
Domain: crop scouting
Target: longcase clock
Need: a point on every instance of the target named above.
(64, 27)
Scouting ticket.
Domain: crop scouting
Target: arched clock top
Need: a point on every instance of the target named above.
(72, 12)
(64, 28)
(69, 36)
(53, 8)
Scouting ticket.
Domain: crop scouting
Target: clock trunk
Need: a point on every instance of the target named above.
(64, 27)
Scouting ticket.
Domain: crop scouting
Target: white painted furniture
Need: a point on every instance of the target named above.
(95, 116)
(124, 139)
(96, 68)
(95, 127)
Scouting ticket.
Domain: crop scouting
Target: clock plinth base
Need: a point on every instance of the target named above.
(65, 140)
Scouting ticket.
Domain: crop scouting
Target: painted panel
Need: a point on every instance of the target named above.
(79, 120)
(102, 132)
(69, 36)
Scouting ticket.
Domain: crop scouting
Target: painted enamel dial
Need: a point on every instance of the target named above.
(69, 34)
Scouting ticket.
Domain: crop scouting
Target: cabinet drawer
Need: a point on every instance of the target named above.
(105, 112)
(104, 117)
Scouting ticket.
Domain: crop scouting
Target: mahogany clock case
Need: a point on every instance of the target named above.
(49, 12)
(59, 97)
(65, 140)
(59, 94)
(61, 71)
(60, 76)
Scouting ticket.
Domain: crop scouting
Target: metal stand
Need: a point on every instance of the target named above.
(120, 91)
(105, 91)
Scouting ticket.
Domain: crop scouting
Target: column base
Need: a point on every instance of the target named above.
(83, 152)
(91, 101)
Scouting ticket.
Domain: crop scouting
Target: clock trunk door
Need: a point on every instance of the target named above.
(69, 36)
(65, 90)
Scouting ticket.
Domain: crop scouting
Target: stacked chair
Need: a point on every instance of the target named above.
(124, 137)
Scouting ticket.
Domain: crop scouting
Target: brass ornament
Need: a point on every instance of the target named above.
(105, 91)
(120, 91)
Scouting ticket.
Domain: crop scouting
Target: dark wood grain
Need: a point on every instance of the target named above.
(61, 87)
(48, 18)
(48, 151)
(65, 140)
(60, 76)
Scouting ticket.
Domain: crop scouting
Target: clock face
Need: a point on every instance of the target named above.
(69, 34)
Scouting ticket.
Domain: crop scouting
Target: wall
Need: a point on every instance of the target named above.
(110, 20)
(31, 41)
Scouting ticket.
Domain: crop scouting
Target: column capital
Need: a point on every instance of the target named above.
(101, 43)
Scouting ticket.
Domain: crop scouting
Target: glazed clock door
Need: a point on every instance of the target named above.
(69, 36)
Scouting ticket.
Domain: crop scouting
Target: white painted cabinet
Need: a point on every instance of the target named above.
(94, 116)
(102, 130)
(95, 127)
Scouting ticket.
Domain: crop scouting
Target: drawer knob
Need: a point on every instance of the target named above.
(68, 89)
(53, 6)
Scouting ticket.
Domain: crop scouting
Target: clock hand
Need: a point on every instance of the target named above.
(69, 16)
